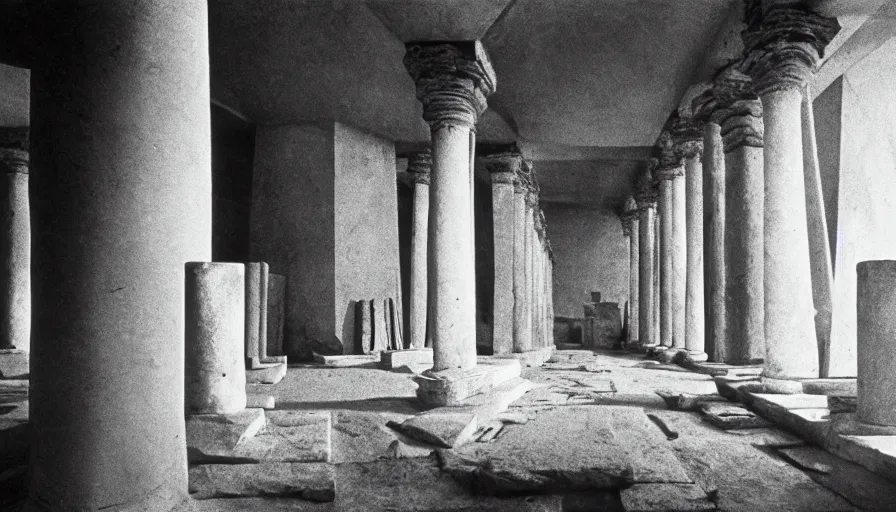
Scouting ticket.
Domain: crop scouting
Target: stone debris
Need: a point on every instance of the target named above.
(489, 432)
(514, 418)
(730, 417)
(771, 437)
(444, 429)
(394, 359)
(347, 361)
(401, 450)
(312, 482)
(258, 401)
(290, 436)
(669, 433)
(666, 498)
(676, 401)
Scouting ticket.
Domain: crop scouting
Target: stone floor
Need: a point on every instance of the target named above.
(593, 435)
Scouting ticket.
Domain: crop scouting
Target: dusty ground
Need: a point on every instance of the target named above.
(595, 419)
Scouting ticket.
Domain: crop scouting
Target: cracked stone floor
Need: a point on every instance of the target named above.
(592, 418)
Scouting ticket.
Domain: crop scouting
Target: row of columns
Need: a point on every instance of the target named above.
(732, 207)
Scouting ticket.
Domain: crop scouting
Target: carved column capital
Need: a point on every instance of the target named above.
(647, 190)
(743, 125)
(630, 215)
(14, 160)
(783, 43)
(453, 81)
(504, 163)
(419, 166)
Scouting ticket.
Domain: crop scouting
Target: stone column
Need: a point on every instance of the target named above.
(742, 134)
(419, 164)
(657, 277)
(705, 108)
(453, 81)
(876, 321)
(121, 199)
(522, 323)
(646, 241)
(531, 242)
(783, 43)
(665, 249)
(673, 213)
(631, 229)
(15, 335)
(550, 284)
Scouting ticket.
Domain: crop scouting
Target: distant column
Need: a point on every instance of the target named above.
(419, 166)
(453, 81)
(522, 323)
(673, 214)
(783, 44)
(646, 201)
(631, 229)
(690, 145)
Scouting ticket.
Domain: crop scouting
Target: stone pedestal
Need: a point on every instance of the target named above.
(121, 198)
(876, 321)
(215, 374)
(15, 272)
(453, 80)
(783, 43)
(419, 165)
(742, 130)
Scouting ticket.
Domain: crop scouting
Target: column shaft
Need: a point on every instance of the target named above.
(15, 333)
(679, 261)
(714, 240)
(121, 200)
(503, 218)
(522, 332)
(634, 307)
(529, 302)
(695, 322)
(667, 288)
(419, 235)
(876, 307)
(646, 333)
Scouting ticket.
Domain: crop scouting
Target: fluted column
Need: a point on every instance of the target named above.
(453, 81)
(15, 334)
(631, 229)
(646, 201)
(121, 198)
(742, 134)
(705, 108)
(783, 43)
(419, 166)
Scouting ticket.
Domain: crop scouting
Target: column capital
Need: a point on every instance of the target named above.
(14, 160)
(705, 106)
(630, 215)
(688, 137)
(743, 126)
(453, 80)
(503, 162)
(670, 164)
(419, 166)
(647, 192)
(783, 43)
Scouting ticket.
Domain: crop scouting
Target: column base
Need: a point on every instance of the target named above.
(392, 359)
(450, 387)
(14, 364)
(696, 357)
(266, 374)
(530, 358)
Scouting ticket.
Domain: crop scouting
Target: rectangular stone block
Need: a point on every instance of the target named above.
(531, 358)
(290, 436)
(450, 387)
(391, 359)
(312, 482)
(217, 435)
(347, 360)
(266, 373)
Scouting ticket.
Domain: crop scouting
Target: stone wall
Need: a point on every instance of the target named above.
(590, 254)
(866, 192)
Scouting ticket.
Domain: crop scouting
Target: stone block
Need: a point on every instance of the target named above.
(276, 313)
(312, 482)
(831, 387)
(595, 297)
(590, 309)
(291, 436)
(732, 417)
(665, 498)
(256, 401)
(392, 359)
(449, 387)
(268, 373)
(14, 364)
(217, 435)
(676, 401)
(531, 358)
(347, 361)
(443, 428)
(608, 325)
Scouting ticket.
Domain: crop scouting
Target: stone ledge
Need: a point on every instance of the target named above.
(347, 361)
(14, 364)
(392, 359)
(266, 374)
(451, 387)
(308, 481)
(530, 358)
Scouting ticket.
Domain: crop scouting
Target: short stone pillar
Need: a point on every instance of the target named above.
(453, 81)
(15, 272)
(419, 166)
(876, 323)
(215, 326)
(742, 134)
(647, 196)
(631, 230)
(783, 44)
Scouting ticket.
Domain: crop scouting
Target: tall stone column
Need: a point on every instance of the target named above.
(419, 165)
(647, 336)
(121, 199)
(673, 215)
(522, 323)
(15, 335)
(550, 285)
(531, 242)
(690, 144)
(742, 134)
(657, 276)
(666, 291)
(537, 313)
(631, 229)
(783, 43)
(453, 81)
(876, 307)
(705, 108)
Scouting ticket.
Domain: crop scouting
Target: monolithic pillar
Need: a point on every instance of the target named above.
(876, 321)
(690, 145)
(665, 249)
(674, 243)
(419, 165)
(453, 81)
(15, 272)
(742, 134)
(121, 199)
(631, 229)
(647, 335)
(522, 323)
(531, 244)
(705, 108)
(783, 43)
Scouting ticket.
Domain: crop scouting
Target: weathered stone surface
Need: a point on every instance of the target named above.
(449, 387)
(14, 364)
(347, 360)
(313, 482)
(731, 417)
(290, 436)
(805, 457)
(488, 432)
(531, 358)
(665, 498)
(401, 450)
(257, 401)
(445, 429)
(276, 313)
(686, 401)
(830, 387)
(266, 373)
(392, 359)
(217, 435)
(772, 437)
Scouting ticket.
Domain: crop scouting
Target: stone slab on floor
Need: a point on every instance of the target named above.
(831, 387)
(875, 453)
(290, 436)
(531, 358)
(676, 401)
(721, 369)
(793, 412)
(451, 387)
(266, 373)
(666, 498)
(217, 435)
(312, 482)
(732, 417)
(443, 429)
(394, 359)
(347, 361)
(567, 449)
(259, 401)
(14, 364)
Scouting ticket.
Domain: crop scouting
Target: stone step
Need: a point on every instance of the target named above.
(266, 373)
(307, 481)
